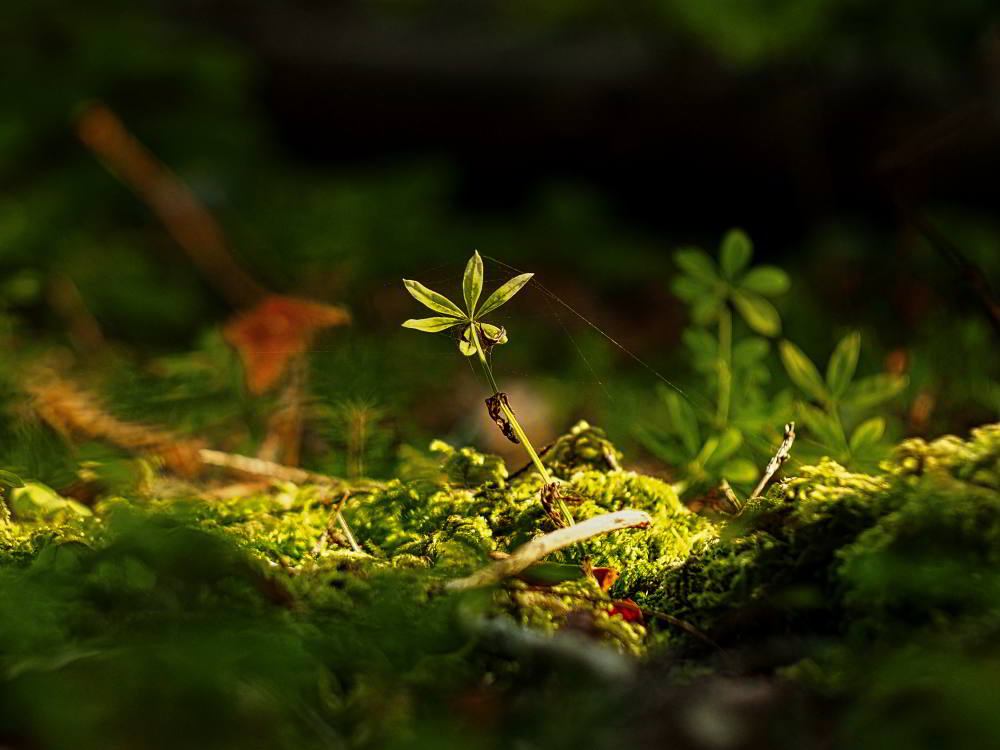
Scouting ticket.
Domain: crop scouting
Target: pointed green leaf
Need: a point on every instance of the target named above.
(472, 282)
(682, 420)
(843, 363)
(706, 309)
(873, 390)
(701, 343)
(690, 289)
(550, 573)
(729, 443)
(433, 300)
(759, 314)
(7, 479)
(750, 351)
(802, 371)
(703, 347)
(503, 294)
(739, 471)
(822, 427)
(662, 447)
(431, 325)
(736, 252)
(697, 264)
(867, 434)
(705, 454)
(766, 280)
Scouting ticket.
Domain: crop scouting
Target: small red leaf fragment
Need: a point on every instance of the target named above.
(278, 329)
(627, 609)
(606, 577)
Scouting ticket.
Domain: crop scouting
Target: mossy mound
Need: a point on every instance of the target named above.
(867, 607)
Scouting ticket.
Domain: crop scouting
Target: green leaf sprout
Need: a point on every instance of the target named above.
(488, 335)
(476, 339)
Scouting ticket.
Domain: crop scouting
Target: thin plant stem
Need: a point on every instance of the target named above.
(725, 365)
(516, 426)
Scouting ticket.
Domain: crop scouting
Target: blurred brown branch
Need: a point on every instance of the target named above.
(187, 221)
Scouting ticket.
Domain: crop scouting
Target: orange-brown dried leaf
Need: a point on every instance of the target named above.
(627, 609)
(278, 329)
(605, 577)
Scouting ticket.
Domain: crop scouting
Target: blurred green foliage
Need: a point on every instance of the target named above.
(146, 615)
(159, 621)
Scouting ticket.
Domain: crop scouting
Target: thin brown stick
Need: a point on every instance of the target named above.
(337, 517)
(192, 227)
(539, 547)
(782, 455)
(72, 411)
(259, 467)
(730, 495)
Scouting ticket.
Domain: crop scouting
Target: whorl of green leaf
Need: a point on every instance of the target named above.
(873, 390)
(766, 280)
(697, 264)
(736, 253)
(433, 300)
(802, 371)
(472, 282)
(759, 314)
(503, 294)
(843, 363)
(431, 325)
(867, 434)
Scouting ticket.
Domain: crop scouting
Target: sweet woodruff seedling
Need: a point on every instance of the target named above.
(477, 338)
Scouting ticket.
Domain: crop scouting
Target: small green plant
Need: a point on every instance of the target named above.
(709, 444)
(479, 338)
(836, 401)
(729, 340)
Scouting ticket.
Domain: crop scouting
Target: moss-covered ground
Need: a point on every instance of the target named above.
(837, 610)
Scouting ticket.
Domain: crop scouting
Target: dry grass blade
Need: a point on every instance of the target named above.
(536, 549)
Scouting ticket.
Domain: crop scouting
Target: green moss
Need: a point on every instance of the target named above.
(841, 583)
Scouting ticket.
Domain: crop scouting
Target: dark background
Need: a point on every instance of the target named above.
(345, 145)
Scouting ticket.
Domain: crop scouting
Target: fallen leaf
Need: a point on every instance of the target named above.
(627, 609)
(278, 329)
(606, 577)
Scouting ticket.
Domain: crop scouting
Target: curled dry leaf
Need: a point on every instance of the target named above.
(627, 609)
(550, 496)
(276, 330)
(605, 577)
(495, 406)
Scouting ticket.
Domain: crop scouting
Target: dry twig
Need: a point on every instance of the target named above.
(71, 410)
(782, 455)
(536, 549)
(188, 222)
